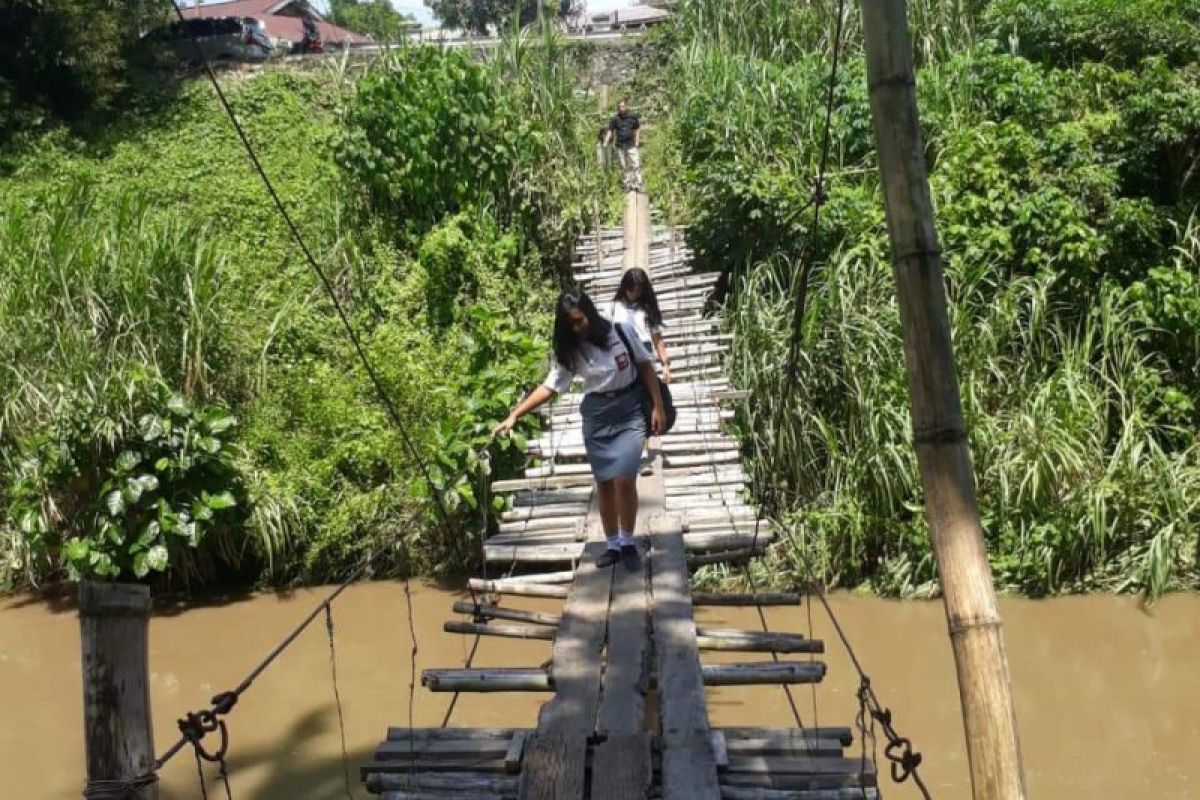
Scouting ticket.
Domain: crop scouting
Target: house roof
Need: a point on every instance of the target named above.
(277, 26)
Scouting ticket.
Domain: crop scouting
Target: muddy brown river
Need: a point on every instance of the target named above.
(1108, 692)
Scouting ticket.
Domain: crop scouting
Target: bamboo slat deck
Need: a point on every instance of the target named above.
(626, 715)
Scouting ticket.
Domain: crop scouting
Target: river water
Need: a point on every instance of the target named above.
(1108, 692)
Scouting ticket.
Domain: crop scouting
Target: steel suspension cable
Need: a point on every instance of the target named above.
(818, 200)
(380, 392)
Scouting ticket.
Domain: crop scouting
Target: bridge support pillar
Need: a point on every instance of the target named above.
(118, 737)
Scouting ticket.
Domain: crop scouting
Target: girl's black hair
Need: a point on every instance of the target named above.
(647, 300)
(566, 341)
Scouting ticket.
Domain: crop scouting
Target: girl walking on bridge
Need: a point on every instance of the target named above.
(618, 380)
(636, 304)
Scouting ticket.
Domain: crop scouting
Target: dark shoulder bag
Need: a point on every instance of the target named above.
(647, 403)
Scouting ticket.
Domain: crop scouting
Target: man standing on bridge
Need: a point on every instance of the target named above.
(628, 131)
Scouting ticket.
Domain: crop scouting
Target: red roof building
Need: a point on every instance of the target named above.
(282, 19)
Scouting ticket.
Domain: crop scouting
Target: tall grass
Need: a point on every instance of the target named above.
(784, 32)
(1076, 484)
(94, 299)
(1076, 328)
(102, 307)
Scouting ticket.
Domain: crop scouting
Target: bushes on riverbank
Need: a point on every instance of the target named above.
(1066, 194)
(147, 278)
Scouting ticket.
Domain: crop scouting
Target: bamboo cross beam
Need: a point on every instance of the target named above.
(536, 679)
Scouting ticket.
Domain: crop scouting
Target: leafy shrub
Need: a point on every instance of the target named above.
(1118, 32)
(1064, 204)
(432, 135)
(147, 501)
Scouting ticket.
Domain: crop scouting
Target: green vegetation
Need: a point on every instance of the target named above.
(379, 19)
(67, 60)
(1063, 142)
(180, 404)
(483, 16)
(179, 398)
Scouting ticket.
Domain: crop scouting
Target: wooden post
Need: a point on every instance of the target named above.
(631, 230)
(642, 258)
(939, 433)
(113, 623)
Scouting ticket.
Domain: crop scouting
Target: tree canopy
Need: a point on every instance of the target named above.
(376, 18)
(479, 15)
(64, 59)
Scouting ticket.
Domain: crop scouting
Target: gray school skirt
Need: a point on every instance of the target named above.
(614, 431)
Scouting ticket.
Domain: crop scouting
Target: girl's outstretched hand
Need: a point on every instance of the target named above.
(505, 426)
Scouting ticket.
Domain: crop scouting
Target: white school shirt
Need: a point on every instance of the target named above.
(619, 311)
(601, 369)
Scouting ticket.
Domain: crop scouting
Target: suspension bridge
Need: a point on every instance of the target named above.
(626, 715)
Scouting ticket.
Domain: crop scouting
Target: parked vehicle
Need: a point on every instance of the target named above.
(219, 39)
(311, 43)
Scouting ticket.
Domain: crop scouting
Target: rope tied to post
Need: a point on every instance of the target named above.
(118, 789)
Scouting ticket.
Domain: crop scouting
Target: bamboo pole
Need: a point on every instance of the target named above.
(939, 433)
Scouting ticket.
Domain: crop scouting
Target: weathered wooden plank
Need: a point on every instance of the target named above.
(621, 767)
(689, 770)
(725, 556)
(555, 761)
(537, 512)
(563, 576)
(749, 793)
(839, 733)
(554, 767)
(397, 733)
(699, 542)
(779, 746)
(565, 536)
(516, 750)
(785, 765)
(551, 497)
(626, 676)
(533, 553)
(549, 482)
(439, 782)
(442, 748)
(562, 521)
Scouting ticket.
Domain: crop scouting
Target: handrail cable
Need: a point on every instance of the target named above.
(194, 726)
(380, 393)
(818, 198)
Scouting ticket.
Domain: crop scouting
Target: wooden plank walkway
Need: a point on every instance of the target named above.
(627, 717)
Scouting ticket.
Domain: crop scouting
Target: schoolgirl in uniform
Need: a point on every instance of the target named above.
(635, 303)
(588, 347)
